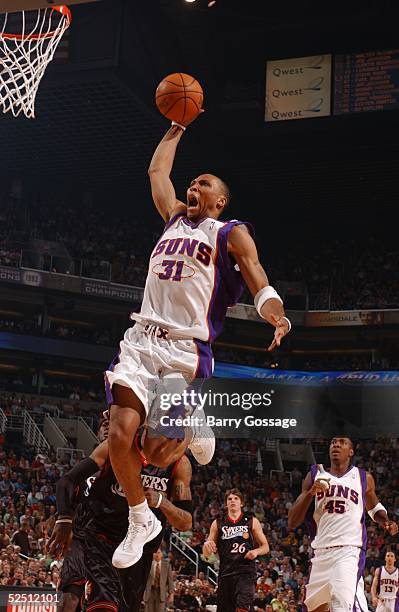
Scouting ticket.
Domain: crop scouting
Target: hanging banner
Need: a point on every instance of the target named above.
(298, 88)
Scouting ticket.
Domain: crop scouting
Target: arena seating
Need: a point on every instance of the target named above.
(27, 485)
(358, 276)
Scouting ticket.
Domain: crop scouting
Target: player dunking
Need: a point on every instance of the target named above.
(385, 586)
(239, 539)
(197, 269)
(335, 502)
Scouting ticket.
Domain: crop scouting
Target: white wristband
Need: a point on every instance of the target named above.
(289, 323)
(179, 125)
(159, 502)
(376, 509)
(263, 295)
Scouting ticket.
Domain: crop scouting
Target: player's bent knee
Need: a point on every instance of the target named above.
(322, 608)
(161, 452)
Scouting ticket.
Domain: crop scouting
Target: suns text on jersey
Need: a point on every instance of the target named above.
(185, 246)
(339, 491)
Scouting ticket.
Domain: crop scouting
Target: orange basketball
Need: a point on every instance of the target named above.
(179, 97)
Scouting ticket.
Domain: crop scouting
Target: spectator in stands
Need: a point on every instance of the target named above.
(21, 538)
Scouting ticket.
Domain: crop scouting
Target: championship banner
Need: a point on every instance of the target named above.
(10, 275)
(341, 318)
(298, 88)
(112, 290)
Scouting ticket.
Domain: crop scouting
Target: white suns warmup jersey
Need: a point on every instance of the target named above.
(388, 584)
(191, 279)
(338, 515)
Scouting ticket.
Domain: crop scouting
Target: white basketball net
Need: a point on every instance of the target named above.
(24, 56)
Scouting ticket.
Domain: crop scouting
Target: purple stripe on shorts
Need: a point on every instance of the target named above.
(396, 609)
(108, 388)
(205, 359)
(360, 569)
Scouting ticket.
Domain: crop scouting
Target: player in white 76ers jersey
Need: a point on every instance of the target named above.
(385, 587)
(334, 503)
(197, 270)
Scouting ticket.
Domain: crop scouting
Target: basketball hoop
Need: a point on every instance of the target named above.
(25, 55)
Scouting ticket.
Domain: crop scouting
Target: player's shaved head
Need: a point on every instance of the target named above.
(224, 188)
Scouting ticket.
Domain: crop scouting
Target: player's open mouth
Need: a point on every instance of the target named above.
(192, 201)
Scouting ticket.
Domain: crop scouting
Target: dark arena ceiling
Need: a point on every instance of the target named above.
(96, 122)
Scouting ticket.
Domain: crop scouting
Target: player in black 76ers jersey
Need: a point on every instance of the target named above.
(238, 538)
(104, 517)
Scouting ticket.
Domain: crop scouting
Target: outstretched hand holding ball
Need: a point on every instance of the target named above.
(179, 97)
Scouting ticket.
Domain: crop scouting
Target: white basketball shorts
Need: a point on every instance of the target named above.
(387, 605)
(150, 363)
(335, 578)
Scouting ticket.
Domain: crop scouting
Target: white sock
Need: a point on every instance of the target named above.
(139, 513)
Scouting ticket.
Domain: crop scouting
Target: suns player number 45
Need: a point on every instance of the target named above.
(336, 506)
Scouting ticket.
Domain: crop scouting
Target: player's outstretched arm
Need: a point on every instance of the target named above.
(376, 510)
(210, 546)
(178, 512)
(374, 586)
(61, 536)
(298, 510)
(242, 247)
(260, 538)
(163, 192)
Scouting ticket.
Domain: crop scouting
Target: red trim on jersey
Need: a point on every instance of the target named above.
(107, 605)
(237, 519)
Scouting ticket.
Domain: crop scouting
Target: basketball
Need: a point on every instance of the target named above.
(179, 97)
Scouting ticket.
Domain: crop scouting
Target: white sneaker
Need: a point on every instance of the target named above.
(138, 534)
(203, 443)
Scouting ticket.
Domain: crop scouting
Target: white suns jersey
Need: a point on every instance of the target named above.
(388, 584)
(338, 515)
(191, 279)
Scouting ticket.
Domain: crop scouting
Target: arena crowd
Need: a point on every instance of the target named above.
(345, 273)
(27, 514)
